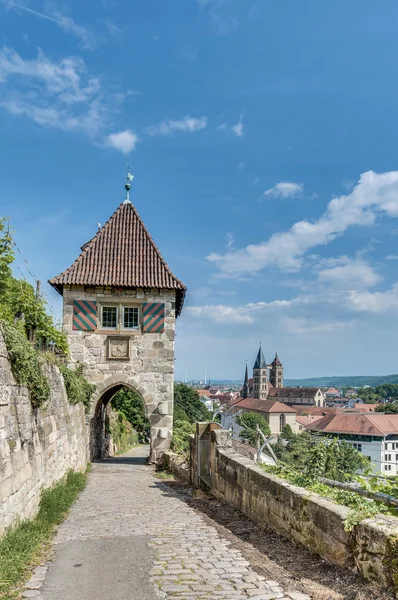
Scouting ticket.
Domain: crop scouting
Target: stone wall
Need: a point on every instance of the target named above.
(304, 517)
(150, 366)
(37, 446)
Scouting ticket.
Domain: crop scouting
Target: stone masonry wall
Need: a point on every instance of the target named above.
(150, 368)
(304, 517)
(37, 446)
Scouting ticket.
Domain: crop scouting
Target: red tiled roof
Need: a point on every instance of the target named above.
(357, 424)
(122, 254)
(317, 410)
(287, 392)
(307, 420)
(267, 406)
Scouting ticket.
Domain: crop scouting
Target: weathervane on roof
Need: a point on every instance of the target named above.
(130, 178)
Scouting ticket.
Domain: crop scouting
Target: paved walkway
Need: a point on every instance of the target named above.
(130, 537)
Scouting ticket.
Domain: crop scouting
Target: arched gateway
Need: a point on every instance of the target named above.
(121, 302)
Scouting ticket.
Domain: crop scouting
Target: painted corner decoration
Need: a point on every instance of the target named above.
(84, 315)
(153, 317)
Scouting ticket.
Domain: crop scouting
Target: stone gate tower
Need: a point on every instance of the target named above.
(121, 302)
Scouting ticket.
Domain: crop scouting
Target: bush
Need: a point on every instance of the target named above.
(181, 433)
(249, 421)
(121, 432)
(26, 365)
(132, 406)
(77, 387)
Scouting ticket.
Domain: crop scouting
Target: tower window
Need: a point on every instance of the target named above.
(130, 317)
(109, 317)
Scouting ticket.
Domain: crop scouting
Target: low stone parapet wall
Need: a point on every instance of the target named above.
(37, 445)
(371, 548)
(177, 465)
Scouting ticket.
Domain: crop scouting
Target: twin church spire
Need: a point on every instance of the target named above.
(265, 376)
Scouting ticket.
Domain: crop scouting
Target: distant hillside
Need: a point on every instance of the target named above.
(338, 382)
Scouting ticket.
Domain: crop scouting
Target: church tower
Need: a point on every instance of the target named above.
(260, 376)
(245, 389)
(276, 372)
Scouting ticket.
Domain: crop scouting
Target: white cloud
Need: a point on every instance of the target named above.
(392, 257)
(61, 94)
(236, 129)
(350, 274)
(375, 194)
(187, 124)
(88, 39)
(229, 240)
(284, 189)
(375, 302)
(223, 22)
(124, 141)
(229, 314)
(305, 326)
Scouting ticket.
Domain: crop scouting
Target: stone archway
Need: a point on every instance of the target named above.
(158, 413)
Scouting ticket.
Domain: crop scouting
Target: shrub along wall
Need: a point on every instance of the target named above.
(38, 445)
(317, 523)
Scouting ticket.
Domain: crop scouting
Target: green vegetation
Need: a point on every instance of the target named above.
(19, 303)
(304, 462)
(23, 546)
(130, 403)
(77, 387)
(249, 421)
(390, 408)
(26, 364)
(188, 409)
(26, 327)
(361, 507)
(122, 432)
(311, 460)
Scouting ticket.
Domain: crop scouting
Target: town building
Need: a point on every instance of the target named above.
(120, 305)
(374, 435)
(332, 393)
(301, 396)
(275, 413)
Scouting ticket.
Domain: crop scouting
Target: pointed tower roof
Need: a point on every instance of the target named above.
(260, 360)
(122, 254)
(276, 362)
(246, 376)
(245, 390)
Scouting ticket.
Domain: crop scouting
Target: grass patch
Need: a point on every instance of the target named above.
(164, 475)
(23, 546)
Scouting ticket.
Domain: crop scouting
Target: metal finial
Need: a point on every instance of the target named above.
(130, 177)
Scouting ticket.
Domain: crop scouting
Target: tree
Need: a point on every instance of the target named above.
(368, 395)
(249, 421)
(287, 433)
(391, 408)
(131, 405)
(387, 390)
(188, 405)
(19, 302)
(295, 452)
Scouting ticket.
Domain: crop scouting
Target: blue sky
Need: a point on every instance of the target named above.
(263, 139)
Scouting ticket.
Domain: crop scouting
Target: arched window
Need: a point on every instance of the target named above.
(282, 421)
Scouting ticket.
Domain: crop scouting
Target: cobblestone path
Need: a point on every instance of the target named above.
(130, 537)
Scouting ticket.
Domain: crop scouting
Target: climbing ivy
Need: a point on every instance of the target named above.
(26, 364)
(20, 304)
(77, 387)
